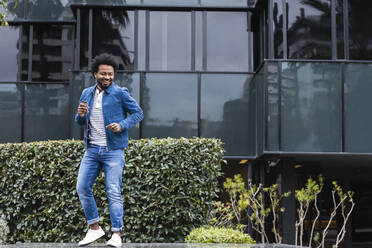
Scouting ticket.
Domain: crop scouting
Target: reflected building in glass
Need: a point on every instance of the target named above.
(285, 84)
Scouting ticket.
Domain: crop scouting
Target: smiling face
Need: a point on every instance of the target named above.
(104, 76)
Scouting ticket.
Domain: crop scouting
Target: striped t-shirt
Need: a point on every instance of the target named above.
(96, 124)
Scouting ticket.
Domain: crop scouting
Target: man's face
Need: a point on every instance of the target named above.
(104, 76)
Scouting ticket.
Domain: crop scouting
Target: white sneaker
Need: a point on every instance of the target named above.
(115, 241)
(91, 236)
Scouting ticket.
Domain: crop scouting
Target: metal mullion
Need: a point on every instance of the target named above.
(204, 46)
(70, 106)
(250, 52)
(265, 109)
(136, 40)
(270, 31)
(342, 107)
(193, 40)
(23, 112)
(199, 104)
(30, 47)
(77, 48)
(90, 39)
(141, 101)
(147, 38)
(346, 29)
(334, 29)
(285, 41)
(279, 106)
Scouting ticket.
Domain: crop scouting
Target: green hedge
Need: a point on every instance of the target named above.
(168, 188)
(218, 235)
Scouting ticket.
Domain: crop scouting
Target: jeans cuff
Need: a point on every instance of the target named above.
(92, 221)
(115, 229)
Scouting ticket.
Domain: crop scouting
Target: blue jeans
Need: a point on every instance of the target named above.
(112, 162)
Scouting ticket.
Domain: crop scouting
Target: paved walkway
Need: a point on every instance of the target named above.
(148, 245)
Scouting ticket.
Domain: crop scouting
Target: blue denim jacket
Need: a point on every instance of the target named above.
(117, 106)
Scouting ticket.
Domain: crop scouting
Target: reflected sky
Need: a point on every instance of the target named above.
(8, 53)
(227, 47)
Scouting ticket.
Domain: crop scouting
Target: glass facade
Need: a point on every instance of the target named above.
(10, 112)
(9, 49)
(358, 121)
(227, 41)
(52, 52)
(170, 105)
(310, 102)
(170, 41)
(46, 112)
(273, 93)
(225, 115)
(309, 29)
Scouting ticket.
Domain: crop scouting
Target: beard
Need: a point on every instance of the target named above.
(103, 84)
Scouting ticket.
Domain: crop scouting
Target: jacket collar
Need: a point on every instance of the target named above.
(107, 91)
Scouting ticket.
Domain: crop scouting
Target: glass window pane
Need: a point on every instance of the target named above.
(227, 41)
(358, 121)
(227, 3)
(9, 49)
(260, 110)
(84, 39)
(310, 92)
(170, 105)
(57, 10)
(25, 55)
(113, 32)
(340, 29)
(170, 40)
(52, 52)
(171, 2)
(309, 29)
(273, 107)
(47, 115)
(278, 28)
(225, 111)
(10, 113)
(360, 29)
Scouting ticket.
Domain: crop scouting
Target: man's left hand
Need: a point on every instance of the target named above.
(114, 127)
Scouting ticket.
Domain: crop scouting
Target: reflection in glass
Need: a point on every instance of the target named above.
(227, 41)
(46, 112)
(9, 49)
(358, 120)
(10, 113)
(170, 105)
(141, 41)
(260, 111)
(113, 32)
(360, 29)
(272, 106)
(16, 10)
(227, 116)
(52, 52)
(57, 10)
(311, 114)
(82, 80)
(309, 29)
(170, 40)
(278, 28)
(199, 40)
(25, 55)
(84, 38)
(340, 28)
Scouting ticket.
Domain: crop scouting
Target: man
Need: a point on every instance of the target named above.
(106, 111)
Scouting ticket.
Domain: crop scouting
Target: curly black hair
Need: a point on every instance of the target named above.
(104, 59)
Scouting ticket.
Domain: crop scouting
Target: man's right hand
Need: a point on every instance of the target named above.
(82, 109)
